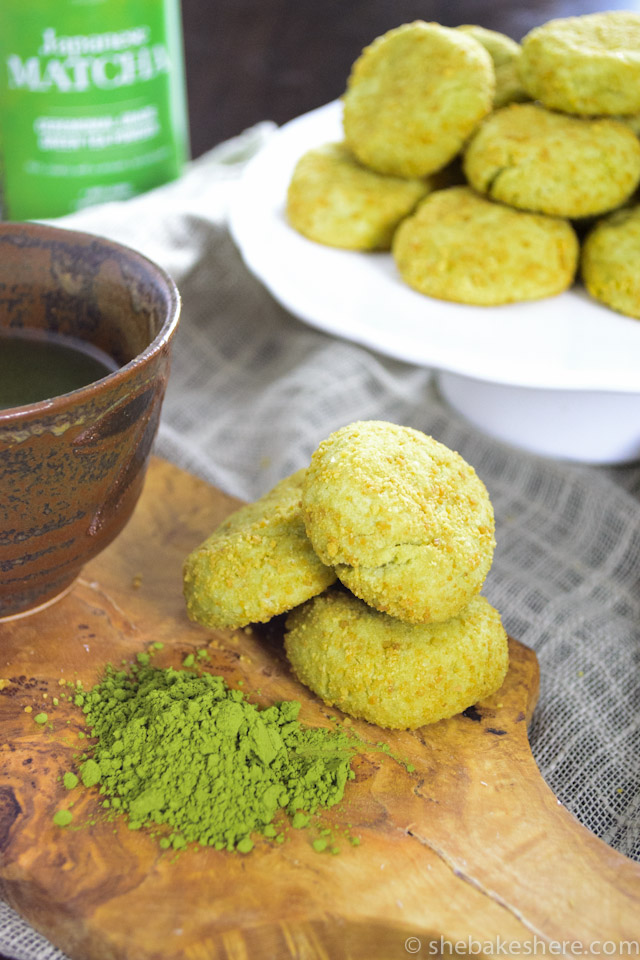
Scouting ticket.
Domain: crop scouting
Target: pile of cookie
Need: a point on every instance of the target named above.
(377, 551)
(484, 164)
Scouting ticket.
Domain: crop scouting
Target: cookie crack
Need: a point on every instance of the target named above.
(491, 183)
(394, 561)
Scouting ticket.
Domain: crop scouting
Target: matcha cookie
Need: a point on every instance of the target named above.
(586, 65)
(611, 261)
(405, 521)
(395, 674)
(257, 564)
(460, 246)
(530, 158)
(505, 54)
(414, 96)
(334, 200)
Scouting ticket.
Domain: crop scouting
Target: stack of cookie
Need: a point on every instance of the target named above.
(427, 106)
(406, 527)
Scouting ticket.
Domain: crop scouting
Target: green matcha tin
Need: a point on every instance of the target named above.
(92, 102)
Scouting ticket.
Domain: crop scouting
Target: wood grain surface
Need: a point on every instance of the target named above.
(471, 844)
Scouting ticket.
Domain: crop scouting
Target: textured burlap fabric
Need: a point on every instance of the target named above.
(254, 390)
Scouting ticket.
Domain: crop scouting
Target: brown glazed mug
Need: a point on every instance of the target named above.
(72, 467)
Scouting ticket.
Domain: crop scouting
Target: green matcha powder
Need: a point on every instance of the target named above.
(184, 751)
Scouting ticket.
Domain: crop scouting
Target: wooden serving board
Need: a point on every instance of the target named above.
(471, 844)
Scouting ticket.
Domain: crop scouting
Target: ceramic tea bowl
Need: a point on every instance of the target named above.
(72, 467)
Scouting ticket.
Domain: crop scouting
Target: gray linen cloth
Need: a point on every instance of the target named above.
(253, 391)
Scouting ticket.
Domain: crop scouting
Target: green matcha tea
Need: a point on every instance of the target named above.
(36, 366)
(183, 751)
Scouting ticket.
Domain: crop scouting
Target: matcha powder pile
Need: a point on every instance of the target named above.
(183, 750)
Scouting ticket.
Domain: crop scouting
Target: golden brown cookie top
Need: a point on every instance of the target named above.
(459, 246)
(395, 674)
(414, 96)
(586, 65)
(535, 159)
(406, 521)
(505, 54)
(257, 564)
(611, 261)
(335, 200)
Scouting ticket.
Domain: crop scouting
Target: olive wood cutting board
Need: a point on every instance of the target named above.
(470, 846)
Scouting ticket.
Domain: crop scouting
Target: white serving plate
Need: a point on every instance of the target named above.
(566, 356)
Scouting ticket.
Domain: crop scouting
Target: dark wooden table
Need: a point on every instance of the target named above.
(251, 60)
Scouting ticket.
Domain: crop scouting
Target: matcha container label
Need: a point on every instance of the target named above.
(92, 102)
